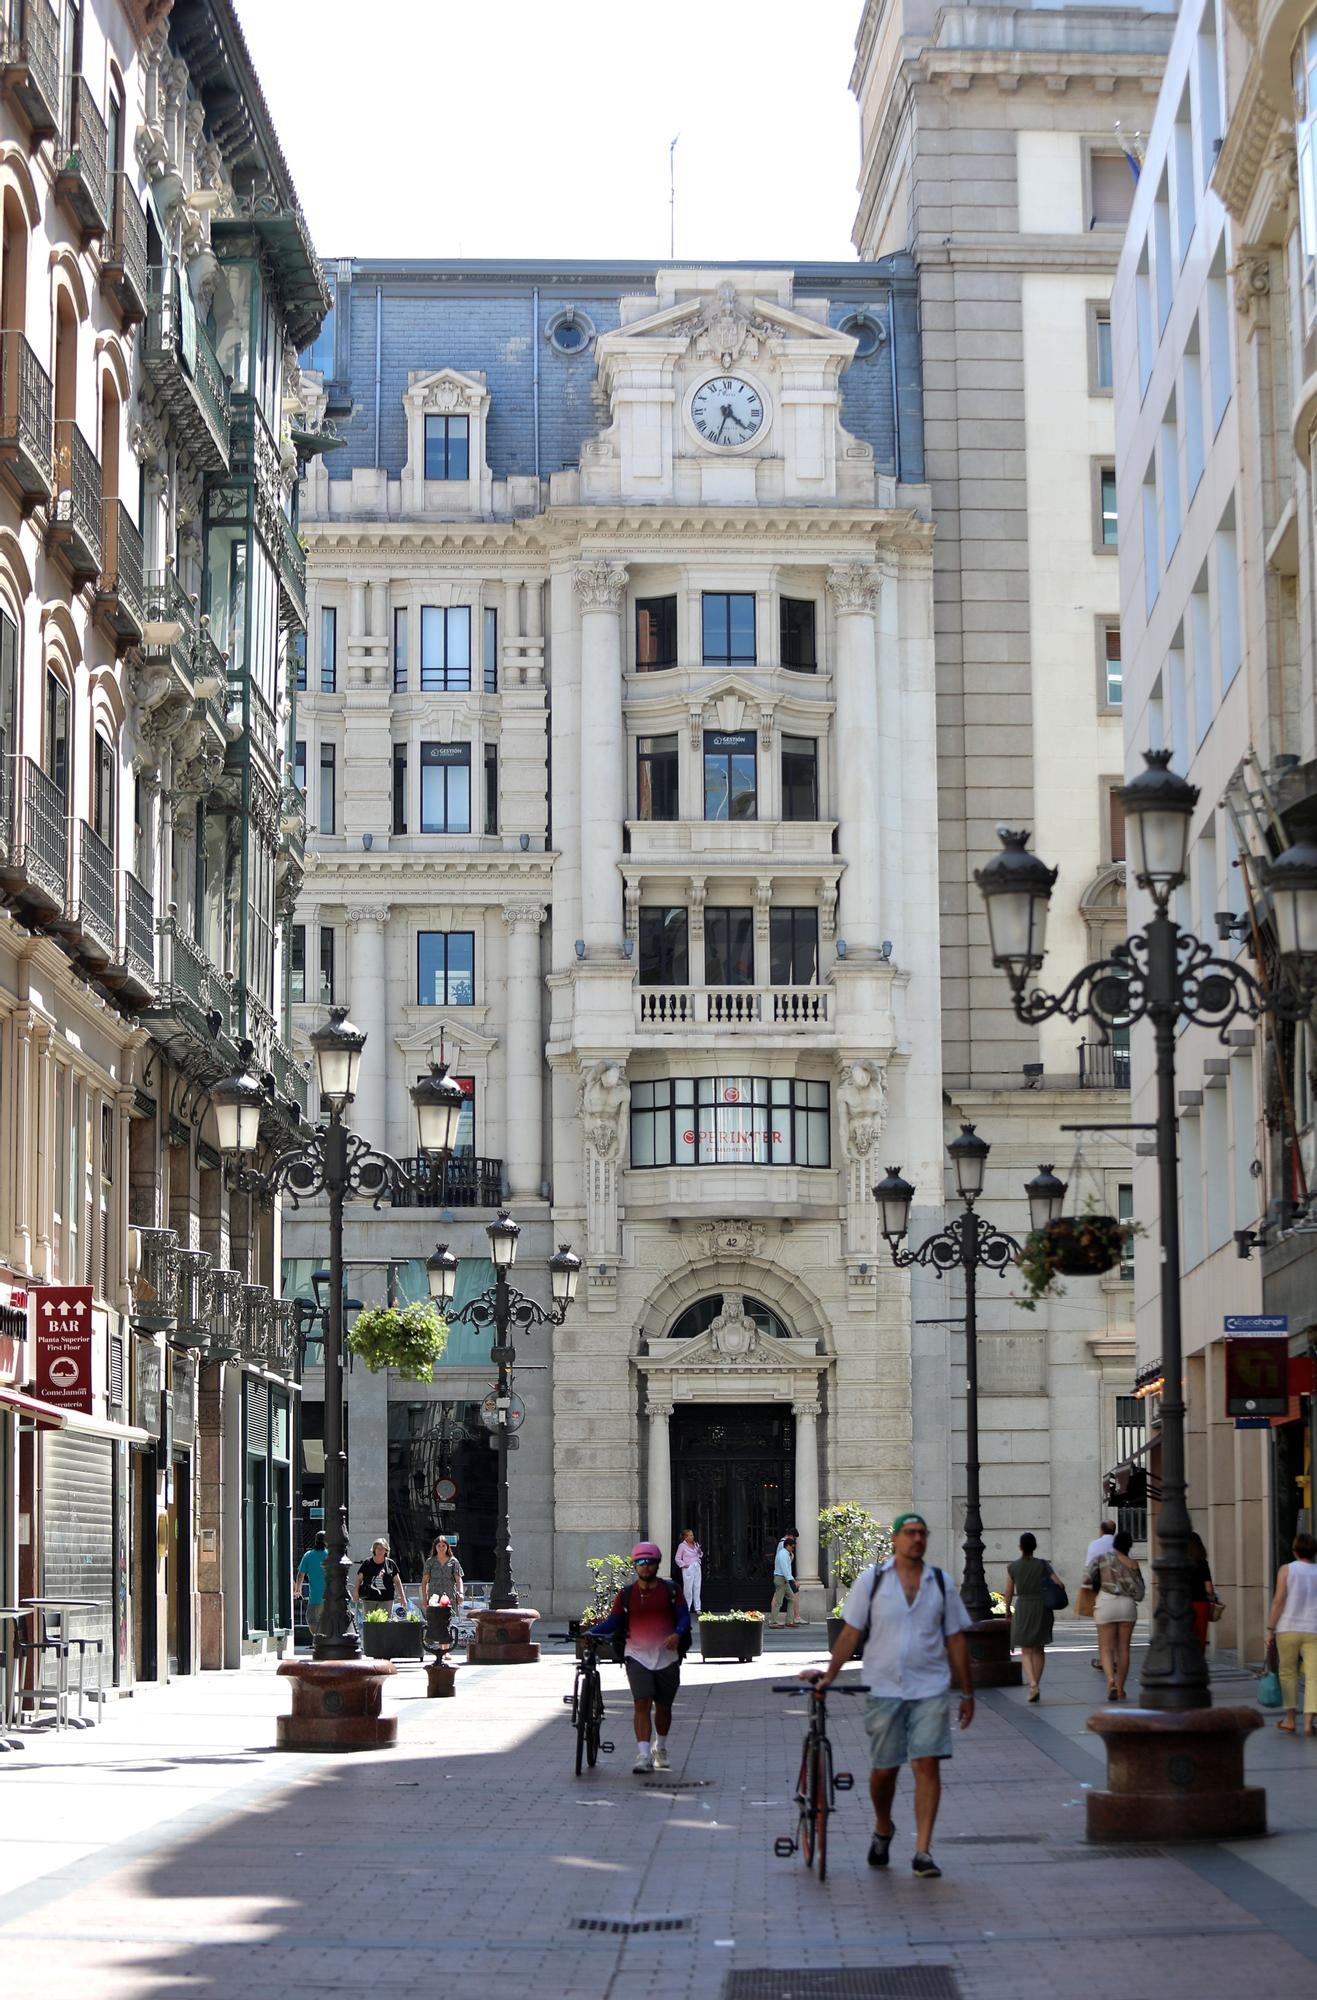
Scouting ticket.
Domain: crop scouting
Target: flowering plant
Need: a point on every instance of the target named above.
(731, 1618)
(1073, 1246)
(408, 1338)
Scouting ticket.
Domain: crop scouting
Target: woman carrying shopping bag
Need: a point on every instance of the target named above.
(1118, 1582)
(1292, 1624)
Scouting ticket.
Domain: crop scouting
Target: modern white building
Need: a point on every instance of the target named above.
(618, 735)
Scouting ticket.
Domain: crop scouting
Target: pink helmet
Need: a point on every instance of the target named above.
(646, 1552)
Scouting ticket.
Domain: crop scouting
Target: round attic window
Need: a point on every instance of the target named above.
(869, 332)
(570, 331)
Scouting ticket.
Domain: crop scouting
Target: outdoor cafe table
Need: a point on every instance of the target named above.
(10, 1614)
(60, 1607)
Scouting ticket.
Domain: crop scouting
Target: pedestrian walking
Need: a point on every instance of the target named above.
(441, 1576)
(784, 1583)
(1100, 1546)
(379, 1580)
(909, 1624)
(311, 1571)
(1031, 1614)
(1201, 1594)
(1118, 1581)
(1293, 1625)
(690, 1561)
(654, 1616)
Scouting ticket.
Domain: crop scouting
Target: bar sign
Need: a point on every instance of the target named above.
(63, 1345)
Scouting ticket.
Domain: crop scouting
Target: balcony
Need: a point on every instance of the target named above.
(82, 176)
(257, 1332)
(1102, 1067)
(749, 1010)
(181, 363)
(91, 917)
(121, 591)
(226, 1314)
(35, 870)
(262, 725)
(211, 687)
(154, 1295)
(292, 577)
(169, 637)
(466, 1181)
(137, 968)
(29, 57)
(191, 1298)
(283, 1341)
(75, 522)
(192, 999)
(792, 845)
(26, 421)
(292, 1079)
(123, 254)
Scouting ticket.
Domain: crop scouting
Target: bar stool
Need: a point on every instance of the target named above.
(96, 1692)
(36, 1653)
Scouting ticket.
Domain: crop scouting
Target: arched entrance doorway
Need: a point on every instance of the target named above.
(732, 1402)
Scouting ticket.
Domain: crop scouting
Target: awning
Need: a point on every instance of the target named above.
(57, 1419)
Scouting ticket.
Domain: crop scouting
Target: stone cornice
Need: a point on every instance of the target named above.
(424, 539)
(429, 878)
(1249, 138)
(559, 532)
(1024, 253)
(1100, 72)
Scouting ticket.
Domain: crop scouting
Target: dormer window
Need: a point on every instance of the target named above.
(447, 448)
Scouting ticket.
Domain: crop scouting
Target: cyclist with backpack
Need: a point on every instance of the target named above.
(652, 1618)
(908, 1623)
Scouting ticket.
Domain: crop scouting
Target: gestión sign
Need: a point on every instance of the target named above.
(62, 1336)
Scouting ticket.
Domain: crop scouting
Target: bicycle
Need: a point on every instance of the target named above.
(587, 1705)
(816, 1787)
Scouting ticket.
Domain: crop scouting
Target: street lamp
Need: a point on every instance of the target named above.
(334, 1162)
(501, 1308)
(1163, 975)
(968, 1244)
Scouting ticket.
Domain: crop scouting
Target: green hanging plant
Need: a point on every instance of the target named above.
(1073, 1246)
(410, 1339)
(854, 1538)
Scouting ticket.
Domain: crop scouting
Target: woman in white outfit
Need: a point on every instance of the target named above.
(1118, 1581)
(1293, 1625)
(690, 1561)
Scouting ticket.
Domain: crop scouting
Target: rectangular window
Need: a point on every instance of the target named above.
(1115, 817)
(730, 774)
(1100, 371)
(664, 957)
(491, 788)
(793, 947)
(656, 633)
(400, 650)
(326, 966)
(800, 777)
(103, 790)
(656, 777)
(1219, 367)
(729, 628)
(1108, 518)
(750, 1121)
(797, 633)
(297, 963)
(299, 766)
(445, 968)
(327, 788)
(445, 649)
(491, 649)
(447, 448)
(1111, 190)
(1125, 1217)
(400, 788)
(328, 649)
(445, 788)
(55, 750)
(729, 946)
(297, 653)
(1110, 689)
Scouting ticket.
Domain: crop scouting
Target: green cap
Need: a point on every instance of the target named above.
(903, 1520)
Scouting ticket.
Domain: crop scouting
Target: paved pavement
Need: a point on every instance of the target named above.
(173, 1852)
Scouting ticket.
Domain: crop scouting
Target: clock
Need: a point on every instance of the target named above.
(727, 411)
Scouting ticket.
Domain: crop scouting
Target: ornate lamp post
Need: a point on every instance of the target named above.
(334, 1162)
(969, 1244)
(1163, 975)
(502, 1308)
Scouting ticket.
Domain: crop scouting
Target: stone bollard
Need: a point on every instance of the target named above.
(336, 1706)
(440, 1677)
(1175, 1774)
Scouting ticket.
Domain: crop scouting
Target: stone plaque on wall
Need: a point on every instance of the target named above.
(1012, 1364)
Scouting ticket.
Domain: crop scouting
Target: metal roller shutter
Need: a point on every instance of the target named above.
(77, 1530)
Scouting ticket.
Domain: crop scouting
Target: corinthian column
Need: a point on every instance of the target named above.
(523, 1141)
(855, 589)
(600, 586)
(370, 1010)
(658, 1513)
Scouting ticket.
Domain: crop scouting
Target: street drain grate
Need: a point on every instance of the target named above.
(675, 1784)
(1109, 1854)
(898, 1982)
(628, 1926)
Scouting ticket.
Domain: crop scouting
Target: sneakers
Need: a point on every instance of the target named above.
(659, 1761)
(643, 1761)
(879, 1849)
(924, 1864)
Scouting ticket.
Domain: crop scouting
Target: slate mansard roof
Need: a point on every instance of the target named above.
(493, 319)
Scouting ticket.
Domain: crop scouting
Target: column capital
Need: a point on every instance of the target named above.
(599, 583)
(369, 914)
(801, 1411)
(855, 586)
(524, 916)
(660, 1413)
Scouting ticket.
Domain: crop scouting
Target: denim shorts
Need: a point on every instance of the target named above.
(900, 1731)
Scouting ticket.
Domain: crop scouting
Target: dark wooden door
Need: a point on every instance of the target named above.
(731, 1482)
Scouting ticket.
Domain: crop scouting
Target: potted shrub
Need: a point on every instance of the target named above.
(408, 1338)
(608, 1575)
(384, 1637)
(853, 1538)
(731, 1635)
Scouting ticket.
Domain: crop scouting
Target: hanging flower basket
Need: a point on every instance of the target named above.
(1073, 1246)
(408, 1338)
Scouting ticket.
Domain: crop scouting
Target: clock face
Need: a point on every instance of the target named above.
(727, 411)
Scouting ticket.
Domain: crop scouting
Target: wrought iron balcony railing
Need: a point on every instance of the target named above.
(192, 1304)
(292, 576)
(92, 912)
(27, 427)
(283, 1337)
(190, 986)
(76, 519)
(37, 868)
(29, 57)
(1102, 1067)
(123, 255)
(466, 1181)
(170, 629)
(120, 595)
(226, 1314)
(292, 1079)
(212, 683)
(178, 356)
(138, 936)
(83, 175)
(154, 1289)
(257, 1325)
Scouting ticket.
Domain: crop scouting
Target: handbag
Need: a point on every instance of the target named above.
(1215, 1609)
(1055, 1595)
(1269, 1694)
(1085, 1601)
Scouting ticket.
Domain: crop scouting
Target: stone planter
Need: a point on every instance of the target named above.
(730, 1639)
(336, 1706)
(392, 1639)
(440, 1679)
(835, 1627)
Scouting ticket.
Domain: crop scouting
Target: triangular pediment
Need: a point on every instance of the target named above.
(446, 389)
(456, 1037)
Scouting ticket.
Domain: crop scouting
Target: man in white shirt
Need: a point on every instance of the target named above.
(911, 1623)
(1101, 1544)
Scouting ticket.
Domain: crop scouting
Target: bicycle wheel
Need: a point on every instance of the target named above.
(808, 1823)
(582, 1715)
(821, 1806)
(594, 1716)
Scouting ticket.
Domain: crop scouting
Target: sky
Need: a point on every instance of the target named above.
(541, 128)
